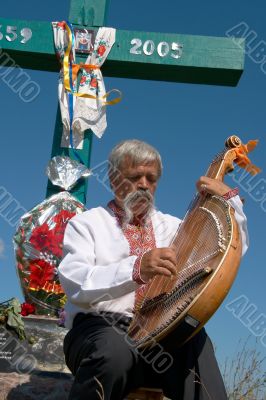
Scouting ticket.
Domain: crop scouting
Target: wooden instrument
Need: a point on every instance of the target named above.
(208, 247)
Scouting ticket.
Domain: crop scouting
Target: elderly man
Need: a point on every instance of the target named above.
(109, 252)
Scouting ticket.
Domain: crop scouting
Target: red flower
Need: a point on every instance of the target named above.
(27, 308)
(101, 50)
(22, 231)
(83, 80)
(61, 24)
(64, 216)
(21, 267)
(44, 239)
(40, 237)
(56, 243)
(94, 82)
(41, 272)
(19, 253)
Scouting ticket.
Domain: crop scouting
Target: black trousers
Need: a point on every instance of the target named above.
(107, 366)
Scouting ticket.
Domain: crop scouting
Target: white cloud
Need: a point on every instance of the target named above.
(2, 247)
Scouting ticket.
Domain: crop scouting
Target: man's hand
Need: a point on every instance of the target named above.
(158, 262)
(213, 186)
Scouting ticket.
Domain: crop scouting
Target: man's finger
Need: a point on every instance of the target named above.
(163, 271)
(169, 266)
(169, 256)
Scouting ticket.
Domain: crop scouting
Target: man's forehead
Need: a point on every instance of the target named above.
(129, 163)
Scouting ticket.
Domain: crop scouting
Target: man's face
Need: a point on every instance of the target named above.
(132, 178)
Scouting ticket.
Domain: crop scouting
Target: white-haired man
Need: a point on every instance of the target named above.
(109, 252)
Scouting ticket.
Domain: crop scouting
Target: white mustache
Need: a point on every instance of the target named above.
(139, 194)
(131, 201)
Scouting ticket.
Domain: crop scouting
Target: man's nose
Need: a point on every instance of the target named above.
(143, 183)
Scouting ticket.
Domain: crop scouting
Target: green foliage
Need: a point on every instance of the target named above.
(10, 316)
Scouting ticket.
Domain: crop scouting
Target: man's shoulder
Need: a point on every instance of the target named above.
(162, 221)
(166, 217)
(91, 215)
(165, 227)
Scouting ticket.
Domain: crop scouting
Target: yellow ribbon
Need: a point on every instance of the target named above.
(75, 70)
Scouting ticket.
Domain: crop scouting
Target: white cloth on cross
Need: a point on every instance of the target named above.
(88, 113)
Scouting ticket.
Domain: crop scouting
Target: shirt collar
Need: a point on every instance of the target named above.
(120, 213)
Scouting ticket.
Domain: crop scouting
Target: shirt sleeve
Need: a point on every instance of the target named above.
(84, 281)
(241, 219)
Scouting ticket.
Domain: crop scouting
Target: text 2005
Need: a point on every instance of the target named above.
(163, 49)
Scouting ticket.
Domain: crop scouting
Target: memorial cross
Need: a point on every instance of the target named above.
(142, 55)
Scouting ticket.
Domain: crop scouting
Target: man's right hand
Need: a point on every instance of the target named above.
(158, 262)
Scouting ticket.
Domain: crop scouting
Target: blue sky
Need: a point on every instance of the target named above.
(186, 123)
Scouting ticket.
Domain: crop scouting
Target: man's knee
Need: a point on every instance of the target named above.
(115, 356)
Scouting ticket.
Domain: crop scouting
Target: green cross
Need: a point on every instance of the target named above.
(142, 55)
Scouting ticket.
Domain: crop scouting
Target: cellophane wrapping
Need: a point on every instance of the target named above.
(38, 244)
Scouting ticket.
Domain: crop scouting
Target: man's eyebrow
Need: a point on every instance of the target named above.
(153, 174)
(132, 175)
(141, 173)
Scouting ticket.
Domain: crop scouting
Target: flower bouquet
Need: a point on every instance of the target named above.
(38, 241)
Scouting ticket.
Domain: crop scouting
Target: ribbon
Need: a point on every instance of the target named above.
(77, 67)
(71, 71)
(242, 159)
(71, 92)
(70, 101)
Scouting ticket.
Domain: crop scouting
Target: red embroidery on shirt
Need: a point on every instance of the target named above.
(136, 272)
(140, 238)
(231, 193)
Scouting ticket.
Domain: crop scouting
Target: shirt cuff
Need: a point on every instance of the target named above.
(136, 271)
(232, 193)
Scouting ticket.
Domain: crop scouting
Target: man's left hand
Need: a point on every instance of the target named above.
(213, 186)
